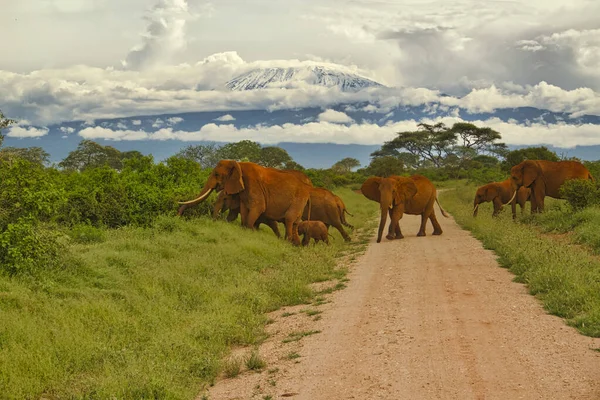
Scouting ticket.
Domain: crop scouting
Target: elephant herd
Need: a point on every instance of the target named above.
(263, 195)
(531, 180)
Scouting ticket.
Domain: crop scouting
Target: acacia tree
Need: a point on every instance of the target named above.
(429, 142)
(204, 154)
(274, 157)
(345, 165)
(90, 154)
(442, 146)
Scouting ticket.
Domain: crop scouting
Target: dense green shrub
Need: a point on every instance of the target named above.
(26, 248)
(580, 193)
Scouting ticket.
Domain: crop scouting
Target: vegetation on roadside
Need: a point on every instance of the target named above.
(151, 312)
(565, 277)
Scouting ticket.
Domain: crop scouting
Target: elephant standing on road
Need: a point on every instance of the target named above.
(264, 192)
(500, 193)
(414, 195)
(545, 178)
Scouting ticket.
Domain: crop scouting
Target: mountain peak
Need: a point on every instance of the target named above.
(291, 77)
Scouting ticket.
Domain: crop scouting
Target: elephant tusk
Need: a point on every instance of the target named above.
(476, 207)
(199, 199)
(391, 207)
(512, 198)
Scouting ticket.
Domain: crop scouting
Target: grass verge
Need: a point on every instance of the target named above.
(153, 312)
(564, 277)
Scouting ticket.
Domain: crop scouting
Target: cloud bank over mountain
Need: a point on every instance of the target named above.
(182, 56)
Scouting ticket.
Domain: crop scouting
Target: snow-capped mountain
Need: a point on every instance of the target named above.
(278, 77)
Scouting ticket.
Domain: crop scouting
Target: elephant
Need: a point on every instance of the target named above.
(316, 230)
(264, 192)
(413, 195)
(499, 193)
(231, 202)
(327, 208)
(545, 178)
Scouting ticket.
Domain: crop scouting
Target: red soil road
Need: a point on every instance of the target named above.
(434, 317)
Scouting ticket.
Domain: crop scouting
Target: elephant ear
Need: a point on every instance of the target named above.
(531, 171)
(370, 188)
(406, 190)
(234, 183)
(491, 193)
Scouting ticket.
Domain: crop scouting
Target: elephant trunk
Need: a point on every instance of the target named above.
(386, 204)
(382, 222)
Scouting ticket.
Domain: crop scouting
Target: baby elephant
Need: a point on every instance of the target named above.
(313, 229)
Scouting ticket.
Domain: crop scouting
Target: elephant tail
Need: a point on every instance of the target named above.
(343, 217)
(309, 205)
(590, 177)
(444, 213)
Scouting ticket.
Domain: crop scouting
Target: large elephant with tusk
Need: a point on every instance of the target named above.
(264, 192)
(545, 178)
(415, 195)
(500, 193)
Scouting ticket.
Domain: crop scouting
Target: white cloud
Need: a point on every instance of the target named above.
(560, 135)
(225, 118)
(174, 120)
(158, 123)
(98, 132)
(121, 125)
(336, 117)
(31, 132)
(67, 129)
(164, 35)
(136, 122)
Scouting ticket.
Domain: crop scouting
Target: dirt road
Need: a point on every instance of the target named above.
(425, 318)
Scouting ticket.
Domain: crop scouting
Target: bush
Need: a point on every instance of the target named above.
(580, 193)
(86, 234)
(26, 248)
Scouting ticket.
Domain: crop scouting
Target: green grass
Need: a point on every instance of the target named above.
(153, 312)
(254, 362)
(564, 277)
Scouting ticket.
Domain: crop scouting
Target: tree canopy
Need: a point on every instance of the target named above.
(345, 165)
(441, 146)
(4, 123)
(90, 154)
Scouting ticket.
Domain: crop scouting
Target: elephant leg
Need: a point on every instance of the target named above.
(305, 240)
(394, 231)
(437, 229)
(233, 214)
(497, 206)
(274, 227)
(424, 218)
(251, 219)
(340, 228)
(513, 207)
(291, 229)
(244, 214)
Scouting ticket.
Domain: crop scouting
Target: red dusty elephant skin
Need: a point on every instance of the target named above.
(545, 178)
(500, 193)
(267, 192)
(316, 230)
(413, 195)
